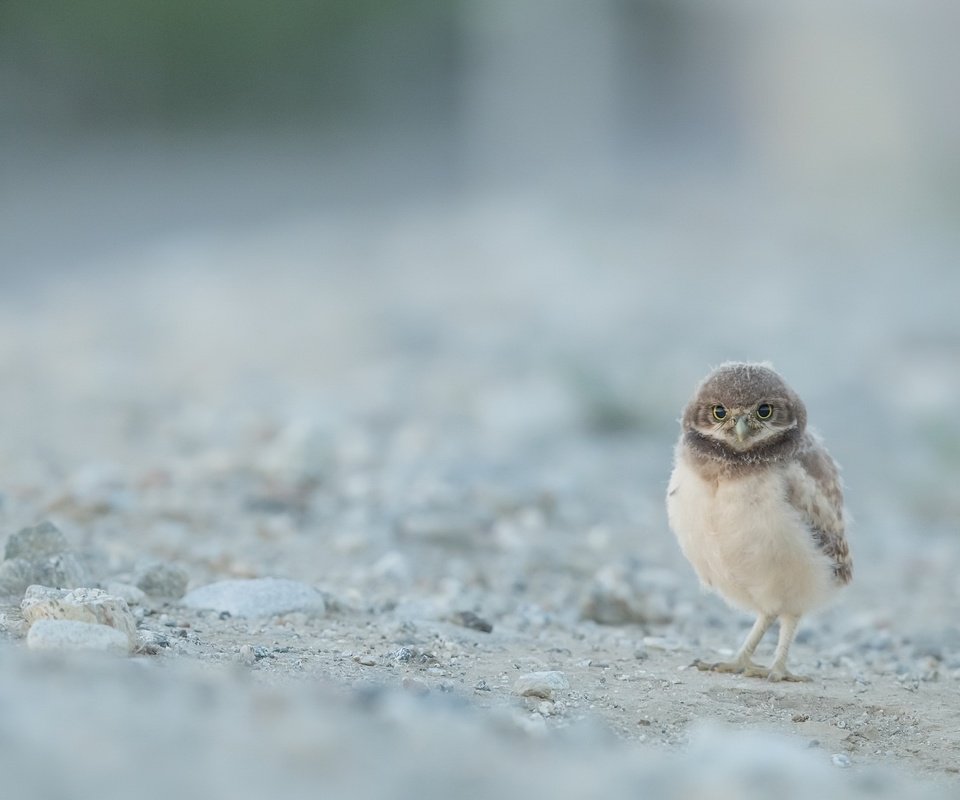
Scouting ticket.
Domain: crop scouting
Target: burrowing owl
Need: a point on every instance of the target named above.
(756, 503)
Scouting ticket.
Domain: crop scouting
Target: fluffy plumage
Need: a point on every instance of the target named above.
(756, 503)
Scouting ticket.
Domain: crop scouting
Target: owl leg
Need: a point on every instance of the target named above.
(778, 670)
(743, 663)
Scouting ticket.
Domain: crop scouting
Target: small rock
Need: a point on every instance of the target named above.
(469, 619)
(163, 580)
(80, 605)
(39, 555)
(403, 655)
(619, 597)
(62, 570)
(68, 634)
(132, 594)
(800, 718)
(840, 760)
(39, 541)
(150, 643)
(546, 707)
(258, 597)
(540, 684)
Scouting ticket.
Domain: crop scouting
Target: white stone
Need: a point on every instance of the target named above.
(259, 597)
(80, 605)
(540, 684)
(68, 634)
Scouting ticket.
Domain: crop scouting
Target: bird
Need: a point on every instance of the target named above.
(755, 501)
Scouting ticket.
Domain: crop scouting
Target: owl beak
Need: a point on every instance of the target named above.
(741, 428)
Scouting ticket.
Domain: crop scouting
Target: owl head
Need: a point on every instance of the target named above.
(744, 412)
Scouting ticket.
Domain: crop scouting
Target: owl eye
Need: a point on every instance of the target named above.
(764, 411)
(719, 413)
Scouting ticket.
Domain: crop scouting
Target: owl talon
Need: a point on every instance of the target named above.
(756, 671)
(776, 676)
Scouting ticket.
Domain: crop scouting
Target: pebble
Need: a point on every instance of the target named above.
(840, 760)
(617, 596)
(39, 555)
(468, 619)
(150, 643)
(540, 684)
(63, 569)
(68, 634)
(257, 597)
(132, 594)
(93, 606)
(546, 707)
(162, 580)
(38, 541)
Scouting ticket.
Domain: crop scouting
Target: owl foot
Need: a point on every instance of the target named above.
(749, 669)
(738, 667)
(782, 674)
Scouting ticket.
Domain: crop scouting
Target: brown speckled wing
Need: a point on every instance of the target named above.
(815, 490)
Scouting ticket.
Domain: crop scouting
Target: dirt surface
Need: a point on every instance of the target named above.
(458, 424)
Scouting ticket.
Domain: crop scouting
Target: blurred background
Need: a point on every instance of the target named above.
(518, 222)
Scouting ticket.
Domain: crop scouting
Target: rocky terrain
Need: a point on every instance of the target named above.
(374, 508)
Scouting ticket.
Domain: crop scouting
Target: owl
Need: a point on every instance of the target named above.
(756, 504)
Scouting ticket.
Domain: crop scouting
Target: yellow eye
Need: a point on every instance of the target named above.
(764, 411)
(719, 413)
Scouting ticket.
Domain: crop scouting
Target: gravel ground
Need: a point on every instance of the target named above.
(456, 425)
